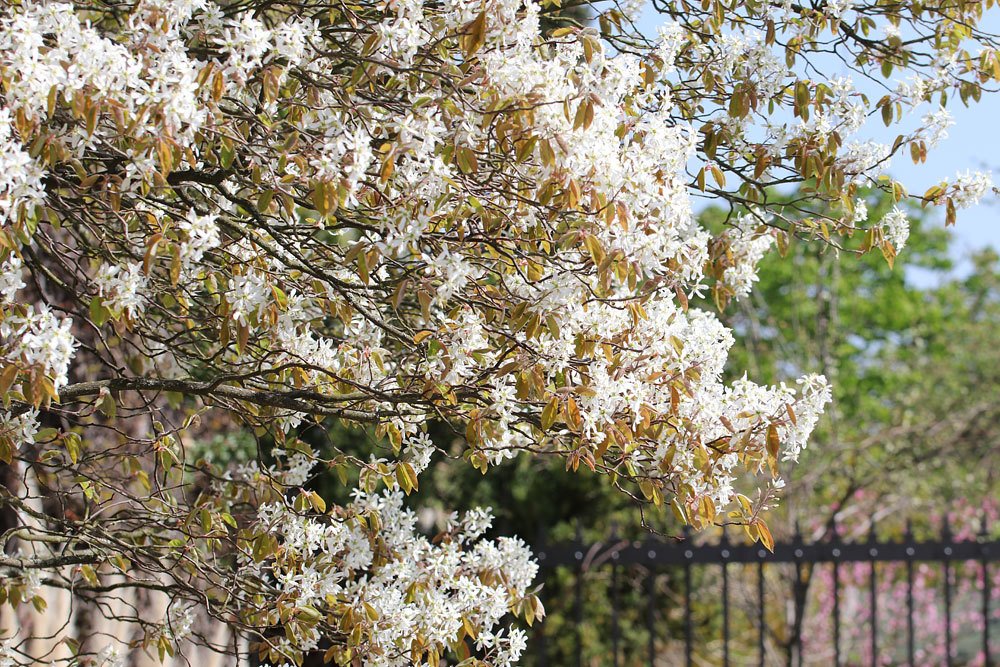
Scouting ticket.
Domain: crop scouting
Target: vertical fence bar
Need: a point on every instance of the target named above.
(761, 621)
(578, 615)
(578, 595)
(986, 613)
(615, 630)
(910, 644)
(947, 612)
(650, 611)
(836, 612)
(873, 593)
(835, 552)
(725, 614)
(542, 649)
(798, 594)
(614, 615)
(873, 603)
(798, 605)
(688, 634)
(946, 538)
(984, 568)
(724, 542)
(987, 661)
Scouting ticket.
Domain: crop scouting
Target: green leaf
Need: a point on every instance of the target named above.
(98, 313)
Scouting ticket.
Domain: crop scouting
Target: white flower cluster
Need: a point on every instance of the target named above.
(866, 160)
(296, 470)
(11, 280)
(895, 228)
(836, 9)
(77, 57)
(7, 654)
(969, 187)
(32, 336)
(31, 580)
(420, 448)
(748, 245)
(746, 56)
(179, 621)
(19, 430)
(400, 586)
(247, 294)
(845, 114)
(123, 288)
(153, 69)
(860, 211)
(110, 656)
(201, 235)
(936, 124)
(344, 154)
(20, 177)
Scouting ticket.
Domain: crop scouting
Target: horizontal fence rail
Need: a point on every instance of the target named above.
(651, 560)
(663, 553)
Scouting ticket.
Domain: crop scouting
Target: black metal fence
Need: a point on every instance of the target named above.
(637, 570)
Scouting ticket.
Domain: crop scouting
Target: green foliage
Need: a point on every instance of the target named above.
(911, 353)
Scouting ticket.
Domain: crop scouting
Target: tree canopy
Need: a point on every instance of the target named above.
(265, 214)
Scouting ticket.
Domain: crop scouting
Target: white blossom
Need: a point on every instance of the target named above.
(866, 160)
(21, 430)
(11, 280)
(895, 228)
(748, 244)
(39, 338)
(20, 176)
(970, 187)
(123, 287)
(201, 235)
(110, 656)
(247, 294)
(423, 589)
(936, 124)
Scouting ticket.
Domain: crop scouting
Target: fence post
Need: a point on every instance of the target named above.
(578, 594)
(984, 567)
(910, 641)
(798, 599)
(615, 631)
(540, 642)
(761, 620)
(946, 538)
(688, 635)
(724, 543)
(650, 606)
(873, 592)
(835, 553)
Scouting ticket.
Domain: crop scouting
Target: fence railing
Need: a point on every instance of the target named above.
(681, 560)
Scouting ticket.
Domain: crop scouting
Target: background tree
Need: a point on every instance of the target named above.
(912, 425)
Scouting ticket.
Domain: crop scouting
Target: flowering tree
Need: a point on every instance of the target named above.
(268, 213)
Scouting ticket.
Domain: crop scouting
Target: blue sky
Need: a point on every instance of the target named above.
(972, 143)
